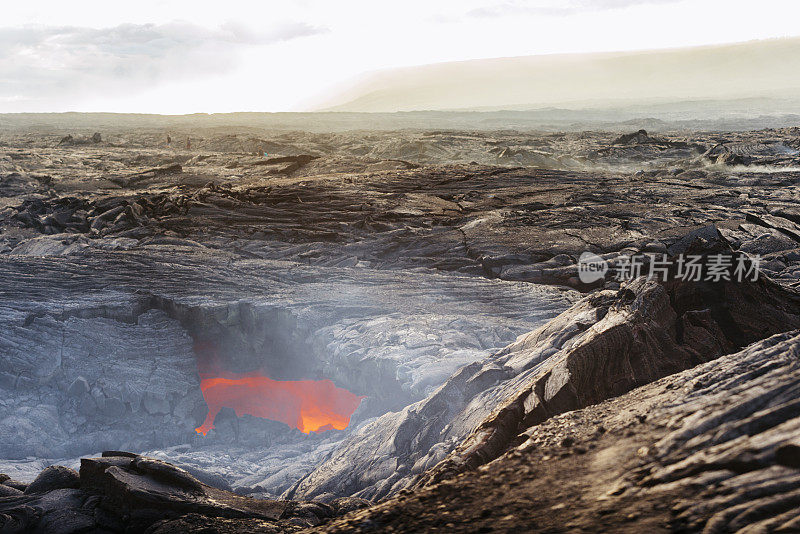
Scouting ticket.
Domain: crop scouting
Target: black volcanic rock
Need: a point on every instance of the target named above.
(124, 492)
(639, 137)
(604, 346)
(704, 450)
(8, 491)
(53, 478)
(16, 484)
(398, 265)
(16, 184)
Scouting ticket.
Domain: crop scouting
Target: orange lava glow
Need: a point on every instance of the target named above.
(308, 405)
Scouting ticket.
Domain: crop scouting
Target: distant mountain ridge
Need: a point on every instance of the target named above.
(716, 115)
(769, 68)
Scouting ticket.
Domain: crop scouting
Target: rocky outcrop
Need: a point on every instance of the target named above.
(92, 358)
(123, 492)
(753, 153)
(635, 138)
(295, 163)
(604, 346)
(398, 280)
(150, 174)
(70, 140)
(625, 339)
(732, 443)
(8, 491)
(711, 449)
(53, 478)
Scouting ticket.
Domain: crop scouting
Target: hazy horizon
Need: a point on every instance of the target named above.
(755, 69)
(179, 57)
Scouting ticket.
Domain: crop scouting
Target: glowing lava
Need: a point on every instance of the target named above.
(308, 405)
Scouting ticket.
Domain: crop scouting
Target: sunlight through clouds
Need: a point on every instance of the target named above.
(180, 56)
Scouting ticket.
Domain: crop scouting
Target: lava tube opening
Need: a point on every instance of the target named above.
(307, 405)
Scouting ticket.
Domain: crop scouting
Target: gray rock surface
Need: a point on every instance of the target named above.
(709, 449)
(602, 347)
(123, 492)
(397, 265)
(134, 350)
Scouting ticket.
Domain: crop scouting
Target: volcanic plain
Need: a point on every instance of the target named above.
(450, 369)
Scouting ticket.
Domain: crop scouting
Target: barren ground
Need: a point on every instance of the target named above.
(434, 273)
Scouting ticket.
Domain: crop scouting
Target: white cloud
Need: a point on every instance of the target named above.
(53, 64)
(274, 55)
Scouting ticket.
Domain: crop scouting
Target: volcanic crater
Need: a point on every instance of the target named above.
(382, 324)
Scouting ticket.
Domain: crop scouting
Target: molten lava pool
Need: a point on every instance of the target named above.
(308, 405)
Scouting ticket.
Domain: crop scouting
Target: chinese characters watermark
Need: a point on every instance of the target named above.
(689, 268)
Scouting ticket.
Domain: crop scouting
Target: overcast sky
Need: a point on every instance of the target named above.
(182, 56)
